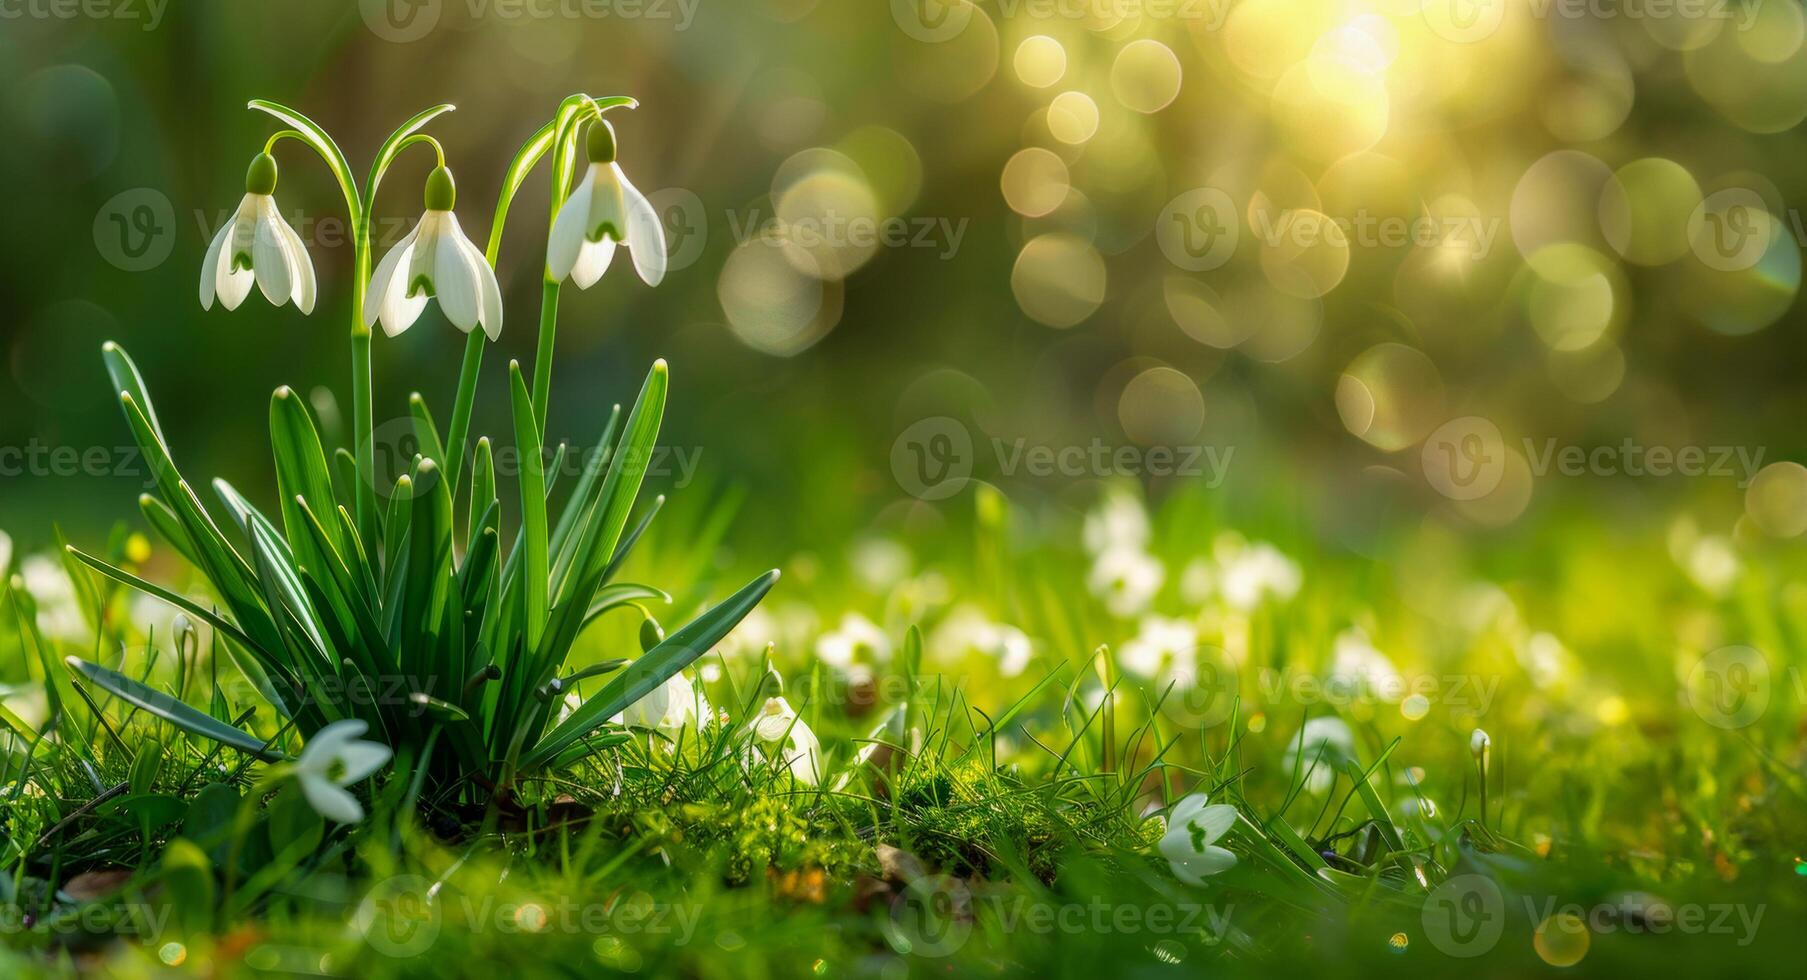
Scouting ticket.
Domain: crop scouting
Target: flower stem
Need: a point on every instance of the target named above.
(542, 361)
(363, 418)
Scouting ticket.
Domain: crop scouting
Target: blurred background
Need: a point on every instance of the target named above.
(1351, 268)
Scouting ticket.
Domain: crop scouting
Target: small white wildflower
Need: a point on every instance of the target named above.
(1127, 581)
(1190, 843)
(604, 211)
(789, 740)
(856, 636)
(333, 759)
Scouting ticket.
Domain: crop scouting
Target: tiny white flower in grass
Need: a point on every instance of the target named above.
(789, 740)
(968, 629)
(257, 244)
(857, 635)
(669, 707)
(1320, 751)
(1159, 646)
(6, 554)
(1118, 522)
(333, 759)
(1190, 844)
(435, 260)
(1126, 579)
(604, 211)
(1358, 669)
(60, 614)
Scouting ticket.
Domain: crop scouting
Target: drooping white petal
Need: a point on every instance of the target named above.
(1196, 867)
(330, 800)
(329, 742)
(570, 230)
(301, 266)
(592, 261)
(803, 755)
(233, 283)
(454, 281)
(645, 233)
(268, 262)
(210, 266)
(361, 758)
(386, 298)
(489, 291)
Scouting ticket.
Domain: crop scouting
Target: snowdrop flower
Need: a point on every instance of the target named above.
(1119, 522)
(1325, 745)
(967, 629)
(333, 759)
(59, 610)
(435, 260)
(781, 730)
(672, 705)
(604, 211)
(257, 244)
(1190, 844)
(1359, 669)
(1127, 580)
(6, 554)
(1160, 645)
(856, 635)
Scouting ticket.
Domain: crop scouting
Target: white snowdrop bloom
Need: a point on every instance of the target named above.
(568, 707)
(880, 563)
(604, 211)
(333, 759)
(1190, 843)
(1325, 745)
(59, 609)
(967, 629)
(1159, 646)
(856, 635)
(435, 260)
(1257, 572)
(258, 244)
(1118, 522)
(788, 740)
(1713, 564)
(1127, 580)
(750, 635)
(6, 554)
(669, 707)
(1359, 669)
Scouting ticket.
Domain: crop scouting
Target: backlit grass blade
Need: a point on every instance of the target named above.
(678, 650)
(301, 467)
(158, 592)
(169, 709)
(533, 507)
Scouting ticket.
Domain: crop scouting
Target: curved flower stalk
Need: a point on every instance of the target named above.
(257, 243)
(604, 211)
(325, 597)
(1190, 843)
(435, 260)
